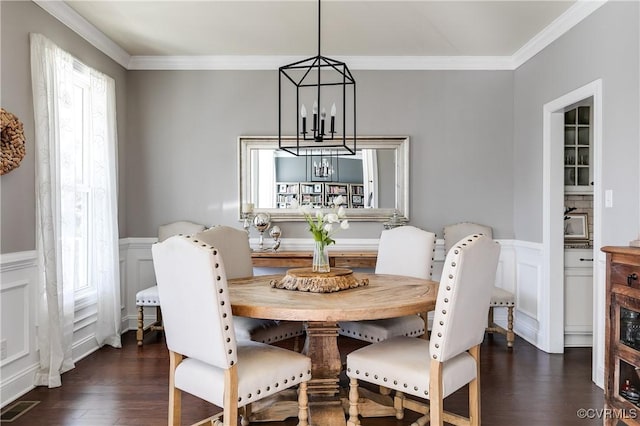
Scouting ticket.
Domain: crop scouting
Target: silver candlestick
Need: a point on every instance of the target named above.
(262, 221)
(275, 234)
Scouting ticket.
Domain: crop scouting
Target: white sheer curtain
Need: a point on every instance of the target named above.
(56, 204)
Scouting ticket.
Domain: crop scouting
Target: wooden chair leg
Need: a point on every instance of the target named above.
(398, 404)
(510, 334)
(230, 400)
(140, 331)
(246, 415)
(436, 403)
(175, 406)
(474, 390)
(425, 318)
(159, 322)
(353, 403)
(303, 405)
(490, 320)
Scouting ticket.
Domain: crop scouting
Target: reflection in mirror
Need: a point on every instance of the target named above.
(373, 183)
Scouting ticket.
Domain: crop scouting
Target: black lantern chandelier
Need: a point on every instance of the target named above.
(313, 81)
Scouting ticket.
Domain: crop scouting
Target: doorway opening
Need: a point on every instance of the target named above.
(553, 285)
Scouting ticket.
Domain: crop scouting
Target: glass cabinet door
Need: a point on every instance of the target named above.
(577, 149)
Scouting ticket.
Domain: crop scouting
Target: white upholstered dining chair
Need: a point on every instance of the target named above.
(206, 360)
(434, 369)
(500, 298)
(233, 245)
(405, 250)
(148, 298)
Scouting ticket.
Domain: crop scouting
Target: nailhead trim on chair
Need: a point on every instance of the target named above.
(412, 333)
(499, 303)
(280, 337)
(448, 288)
(268, 388)
(226, 313)
(386, 379)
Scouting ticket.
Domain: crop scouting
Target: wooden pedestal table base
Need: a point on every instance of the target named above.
(328, 403)
(386, 296)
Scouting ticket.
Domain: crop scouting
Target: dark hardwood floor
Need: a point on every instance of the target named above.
(128, 386)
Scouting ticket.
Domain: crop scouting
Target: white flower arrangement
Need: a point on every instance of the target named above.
(324, 226)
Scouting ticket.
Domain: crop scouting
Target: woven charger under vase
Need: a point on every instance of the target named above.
(305, 279)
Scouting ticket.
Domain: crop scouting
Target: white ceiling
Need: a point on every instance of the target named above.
(161, 31)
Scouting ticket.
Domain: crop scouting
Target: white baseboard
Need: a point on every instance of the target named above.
(20, 383)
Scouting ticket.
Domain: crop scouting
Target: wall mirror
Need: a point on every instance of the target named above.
(374, 183)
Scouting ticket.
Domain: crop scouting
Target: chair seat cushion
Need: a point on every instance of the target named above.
(403, 363)
(148, 297)
(264, 330)
(262, 370)
(502, 297)
(379, 330)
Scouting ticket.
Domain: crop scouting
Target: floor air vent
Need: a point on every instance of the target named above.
(14, 411)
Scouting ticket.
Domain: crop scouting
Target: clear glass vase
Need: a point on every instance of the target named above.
(320, 257)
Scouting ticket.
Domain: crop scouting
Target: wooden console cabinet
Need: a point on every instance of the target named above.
(302, 259)
(622, 339)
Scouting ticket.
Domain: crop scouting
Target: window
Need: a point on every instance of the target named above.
(76, 206)
(76, 189)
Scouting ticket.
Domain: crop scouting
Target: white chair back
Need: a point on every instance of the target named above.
(463, 296)
(456, 232)
(234, 246)
(406, 250)
(195, 301)
(180, 227)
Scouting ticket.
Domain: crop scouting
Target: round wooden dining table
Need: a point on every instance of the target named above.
(385, 296)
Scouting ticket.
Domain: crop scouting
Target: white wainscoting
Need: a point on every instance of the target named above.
(519, 271)
(18, 276)
(138, 275)
(19, 322)
(528, 279)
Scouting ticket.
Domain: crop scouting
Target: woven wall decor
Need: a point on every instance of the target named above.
(12, 147)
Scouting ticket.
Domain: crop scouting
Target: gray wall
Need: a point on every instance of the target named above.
(605, 45)
(17, 198)
(183, 126)
(178, 132)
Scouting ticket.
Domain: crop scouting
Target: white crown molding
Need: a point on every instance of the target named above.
(354, 62)
(219, 62)
(575, 14)
(69, 17)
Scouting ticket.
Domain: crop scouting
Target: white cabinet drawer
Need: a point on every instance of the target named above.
(578, 258)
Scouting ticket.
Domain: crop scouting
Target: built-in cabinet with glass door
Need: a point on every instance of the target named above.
(622, 340)
(578, 172)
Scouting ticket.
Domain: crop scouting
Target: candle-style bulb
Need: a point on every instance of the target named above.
(314, 109)
(303, 114)
(333, 119)
(323, 114)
